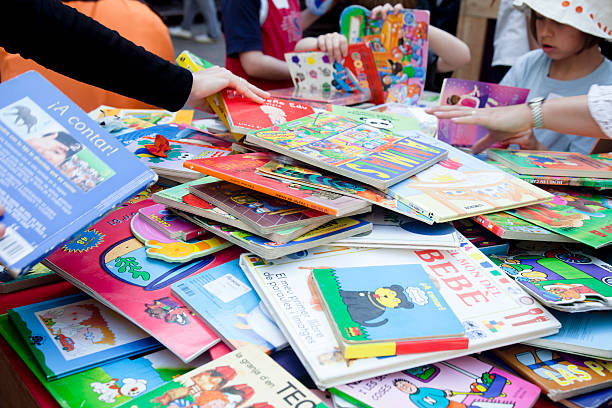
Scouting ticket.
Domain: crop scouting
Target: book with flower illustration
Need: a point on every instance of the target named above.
(73, 333)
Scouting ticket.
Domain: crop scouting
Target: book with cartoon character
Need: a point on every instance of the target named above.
(558, 374)
(60, 171)
(224, 299)
(493, 309)
(399, 44)
(73, 333)
(460, 382)
(350, 148)
(563, 278)
(377, 311)
(508, 226)
(107, 385)
(474, 94)
(172, 226)
(117, 121)
(246, 378)
(110, 264)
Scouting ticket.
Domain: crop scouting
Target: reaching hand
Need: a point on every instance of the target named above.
(382, 11)
(334, 44)
(212, 80)
(2, 227)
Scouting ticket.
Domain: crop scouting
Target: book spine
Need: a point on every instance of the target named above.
(494, 228)
(404, 347)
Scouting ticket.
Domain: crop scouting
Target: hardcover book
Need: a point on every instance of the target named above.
(508, 226)
(460, 382)
(493, 309)
(367, 154)
(110, 264)
(73, 333)
(224, 299)
(474, 94)
(355, 301)
(483, 239)
(60, 171)
(169, 224)
(399, 44)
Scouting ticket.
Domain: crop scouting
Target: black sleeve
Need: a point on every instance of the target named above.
(64, 40)
(241, 26)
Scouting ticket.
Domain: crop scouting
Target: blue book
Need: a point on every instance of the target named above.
(593, 399)
(73, 333)
(60, 171)
(225, 299)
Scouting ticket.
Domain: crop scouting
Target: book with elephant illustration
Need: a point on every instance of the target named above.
(354, 300)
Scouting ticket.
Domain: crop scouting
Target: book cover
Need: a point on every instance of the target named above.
(224, 299)
(177, 132)
(483, 239)
(368, 308)
(399, 44)
(117, 121)
(536, 162)
(360, 61)
(475, 94)
(73, 333)
(566, 279)
(428, 123)
(35, 276)
(595, 399)
(60, 170)
(169, 224)
(243, 378)
(559, 375)
(508, 226)
(460, 382)
(108, 385)
(242, 169)
(578, 214)
(493, 309)
(110, 264)
(367, 154)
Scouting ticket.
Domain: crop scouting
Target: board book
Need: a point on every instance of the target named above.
(364, 153)
(60, 171)
(73, 333)
(551, 163)
(110, 264)
(169, 224)
(242, 169)
(474, 94)
(493, 309)
(483, 239)
(400, 47)
(246, 378)
(460, 382)
(559, 375)
(508, 226)
(224, 299)
(368, 307)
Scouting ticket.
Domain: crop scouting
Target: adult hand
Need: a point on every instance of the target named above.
(212, 80)
(2, 227)
(382, 11)
(334, 44)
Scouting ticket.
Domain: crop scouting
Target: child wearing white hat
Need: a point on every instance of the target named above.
(567, 64)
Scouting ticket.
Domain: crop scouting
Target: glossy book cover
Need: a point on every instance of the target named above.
(508, 226)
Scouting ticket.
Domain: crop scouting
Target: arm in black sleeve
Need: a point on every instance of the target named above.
(64, 40)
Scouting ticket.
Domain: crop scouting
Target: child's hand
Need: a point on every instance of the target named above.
(382, 11)
(334, 44)
(2, 228)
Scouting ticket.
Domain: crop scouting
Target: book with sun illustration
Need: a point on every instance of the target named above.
(369, 307)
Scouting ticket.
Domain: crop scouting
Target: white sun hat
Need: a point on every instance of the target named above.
(589, 16)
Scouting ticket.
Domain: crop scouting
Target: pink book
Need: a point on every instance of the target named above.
(169, 224)
(110, 264)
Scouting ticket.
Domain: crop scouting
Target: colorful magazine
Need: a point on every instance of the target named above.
(399, 44)
(372, 156)
(508, 226)
(224, 299)
(60, 171)
(465, 92)
(483, 239)
(110, 264)
(461, 382)
(368, 308)
(493, 309)
(73, 333)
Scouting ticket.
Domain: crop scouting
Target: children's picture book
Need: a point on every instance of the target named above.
(172, 132)
(107, 385)
(508, 226)
(367, 154)
(60, 171)
(559, 375)
(538, 162)
(73, 333)
(595, 399)
(242, 169)
(224, 298)
(565, 279)
(169, 224)
(393, 230)
(117, 121)
(368, 308)
(427, 123)
(578, 214)
(35, 276)
(110, 264)
(243, 378)
(474, 94)
(483, 239)
(460, 382)
(493, 309)
(399, 44)
(585, 334)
